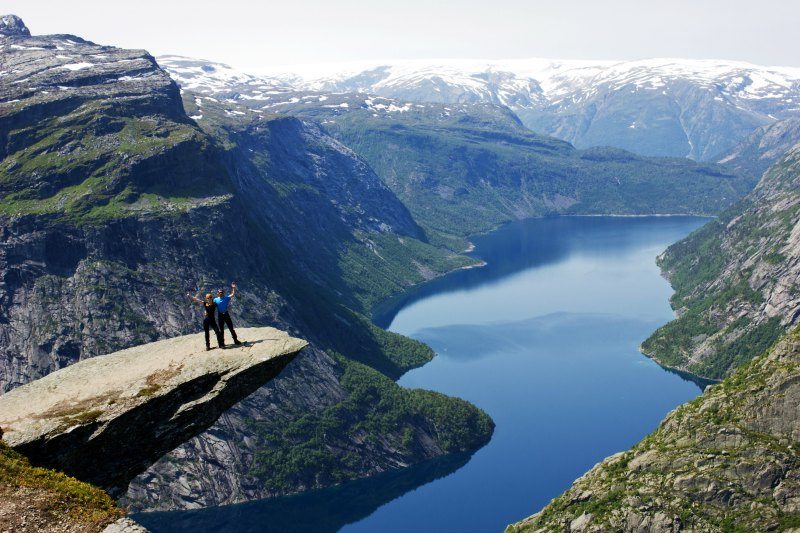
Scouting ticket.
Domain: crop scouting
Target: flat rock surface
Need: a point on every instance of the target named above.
(123, 380)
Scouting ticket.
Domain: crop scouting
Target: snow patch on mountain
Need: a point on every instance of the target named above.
(674, 107)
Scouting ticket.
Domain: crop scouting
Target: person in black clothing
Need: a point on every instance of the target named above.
(209, 322)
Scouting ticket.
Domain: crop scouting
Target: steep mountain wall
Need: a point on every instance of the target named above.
(737, 279)
(763, 147)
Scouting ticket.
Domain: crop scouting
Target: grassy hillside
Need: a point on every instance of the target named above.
(33, 498)
(314, 450)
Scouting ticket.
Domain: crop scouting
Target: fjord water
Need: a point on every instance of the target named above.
(545, 339)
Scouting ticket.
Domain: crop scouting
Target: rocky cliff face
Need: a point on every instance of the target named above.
(13, 25)
(764, 147)
(114, 204)
(127, 409)
(727, 461)
(737, 280)
(328, 205)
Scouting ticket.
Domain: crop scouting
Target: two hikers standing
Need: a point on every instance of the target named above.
(218, 306)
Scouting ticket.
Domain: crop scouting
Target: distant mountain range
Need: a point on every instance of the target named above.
(664, 107)
(465, 168)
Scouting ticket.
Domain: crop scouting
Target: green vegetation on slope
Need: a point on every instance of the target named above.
(56, 495)
(388, 265)
(725, 275)
(318, 449)
(460, 177)
(93, 165)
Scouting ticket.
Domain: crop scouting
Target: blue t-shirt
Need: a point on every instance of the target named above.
(222, 303)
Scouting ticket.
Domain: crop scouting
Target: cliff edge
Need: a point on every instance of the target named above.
(107, 419)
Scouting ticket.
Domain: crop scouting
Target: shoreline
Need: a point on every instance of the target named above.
(669, 375)
(682, 372)
(400, 296)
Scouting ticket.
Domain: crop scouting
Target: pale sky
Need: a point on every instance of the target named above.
(253, 35)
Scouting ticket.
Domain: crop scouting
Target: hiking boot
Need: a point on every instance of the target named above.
(208, 348)
(237, 342)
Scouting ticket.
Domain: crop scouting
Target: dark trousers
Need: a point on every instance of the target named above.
(225, 318)
(209, 324)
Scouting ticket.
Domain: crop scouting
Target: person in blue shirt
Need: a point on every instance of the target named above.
(223, 304)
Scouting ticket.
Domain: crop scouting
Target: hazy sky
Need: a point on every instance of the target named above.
(253, 34)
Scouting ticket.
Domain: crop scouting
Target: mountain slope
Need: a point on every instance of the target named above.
(664, 107)
(465, 176)
(762, 148)
(343, 226)
(726, 461)
(115, 204)
(737, 279)
(465, 168)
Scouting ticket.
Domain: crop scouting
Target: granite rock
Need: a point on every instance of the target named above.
(127, 409)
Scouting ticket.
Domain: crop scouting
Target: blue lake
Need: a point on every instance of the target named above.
(545, 339)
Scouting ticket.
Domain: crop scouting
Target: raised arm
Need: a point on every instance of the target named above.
(233, 290)
(194, 298)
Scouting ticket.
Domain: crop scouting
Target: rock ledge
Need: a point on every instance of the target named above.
(105, 420)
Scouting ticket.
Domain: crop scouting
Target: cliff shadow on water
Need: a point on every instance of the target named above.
(701, 382)
(320, 511)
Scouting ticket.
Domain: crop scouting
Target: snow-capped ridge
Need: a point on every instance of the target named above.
(661, 106)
